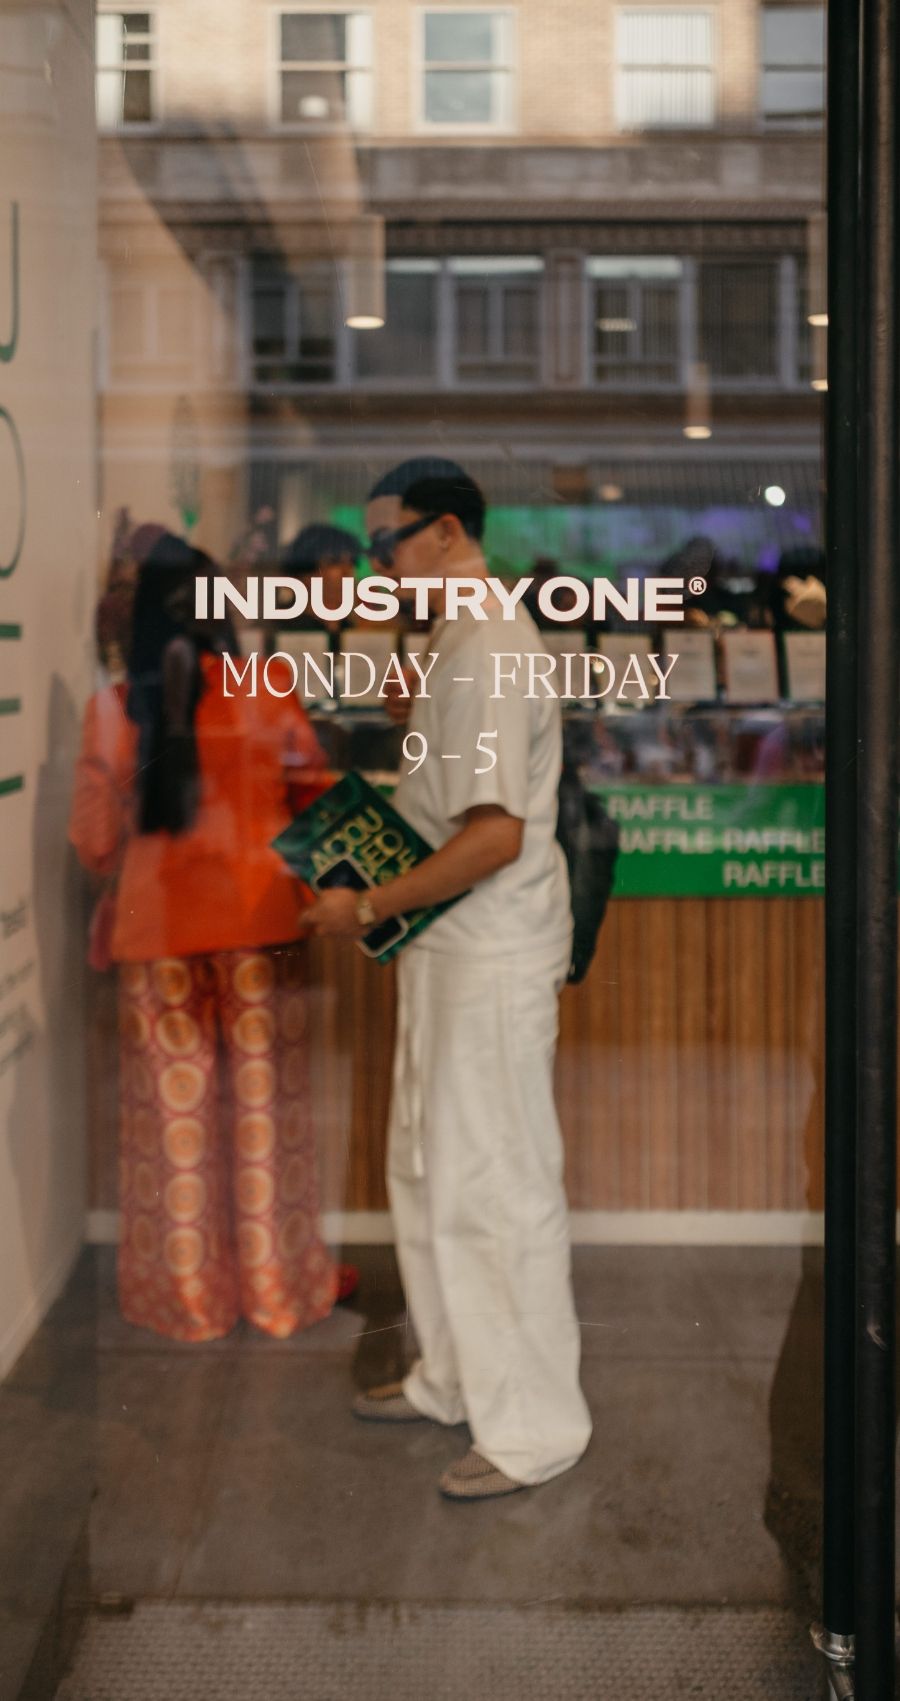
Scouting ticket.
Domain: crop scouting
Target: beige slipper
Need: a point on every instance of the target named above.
(475, 1478)
(387, 1404)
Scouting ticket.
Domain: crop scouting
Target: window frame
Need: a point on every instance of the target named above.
(748, 383)
(683, 286)
(787, 377)
(495, 288)
(256, 381)
(445, 376)
(507, 123)
(154, 65)
(780, 121)
(164, 374)
(660, 128)
(276, 66)
(401, 384)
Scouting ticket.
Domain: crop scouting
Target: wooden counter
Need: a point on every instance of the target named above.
(690, 1062)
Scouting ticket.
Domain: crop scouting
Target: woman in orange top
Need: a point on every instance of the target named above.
(182, 785)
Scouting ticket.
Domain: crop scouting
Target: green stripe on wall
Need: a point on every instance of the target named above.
(10, 705)
(15, 782)
(10, 630)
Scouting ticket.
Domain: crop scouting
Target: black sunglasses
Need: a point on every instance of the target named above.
(382, 543)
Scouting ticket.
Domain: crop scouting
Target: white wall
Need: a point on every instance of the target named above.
(47, 168)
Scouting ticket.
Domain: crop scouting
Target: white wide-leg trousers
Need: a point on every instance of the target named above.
(476, 1189)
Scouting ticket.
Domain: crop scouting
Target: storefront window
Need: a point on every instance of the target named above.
(412, 459)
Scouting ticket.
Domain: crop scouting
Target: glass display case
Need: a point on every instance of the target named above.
(669, 744)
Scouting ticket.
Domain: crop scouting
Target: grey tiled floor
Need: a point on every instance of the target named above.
(234, 1472)
(238, 1471)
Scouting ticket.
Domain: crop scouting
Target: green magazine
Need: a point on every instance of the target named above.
(353, 837)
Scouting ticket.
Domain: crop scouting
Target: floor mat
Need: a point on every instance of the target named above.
(316, 1652)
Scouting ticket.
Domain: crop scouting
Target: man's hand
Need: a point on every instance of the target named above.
(489, 839)
(333, 915)
(399, 706)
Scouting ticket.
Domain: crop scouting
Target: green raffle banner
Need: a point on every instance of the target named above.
(746, 841)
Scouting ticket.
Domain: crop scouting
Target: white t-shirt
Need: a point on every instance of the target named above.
(526, 904)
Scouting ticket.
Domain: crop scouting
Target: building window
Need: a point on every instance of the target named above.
(149, 328)
(793, 76)
(635, 310)
(293, 324)
(738, 319)
(325, 69)
(497, 318)
(665, 75)
(405, 351)
(653, 318)
(467, 75)
(126, 69)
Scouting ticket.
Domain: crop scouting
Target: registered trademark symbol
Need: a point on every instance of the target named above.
(697, 587)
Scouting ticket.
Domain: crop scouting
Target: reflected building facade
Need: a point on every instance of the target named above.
(594, 234)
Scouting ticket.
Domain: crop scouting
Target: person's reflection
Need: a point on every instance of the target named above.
(179, 791)
(327, 554)
(796, 595)
(130, 547)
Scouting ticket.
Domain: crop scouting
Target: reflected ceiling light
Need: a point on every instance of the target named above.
(817, 270)
(364, 303)
(774, 495)
(610, 493)
(817, 296)
(616, 325)
(698, 417)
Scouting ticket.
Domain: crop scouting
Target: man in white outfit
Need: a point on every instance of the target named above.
(474, 1153)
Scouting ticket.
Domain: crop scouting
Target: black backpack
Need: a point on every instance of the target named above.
(590, 841)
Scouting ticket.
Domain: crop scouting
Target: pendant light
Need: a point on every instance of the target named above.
(697, 421)
(364, 295)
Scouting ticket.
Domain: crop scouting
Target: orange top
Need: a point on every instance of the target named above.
(218, 886)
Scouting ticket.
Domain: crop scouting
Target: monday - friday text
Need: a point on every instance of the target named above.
(578, 674)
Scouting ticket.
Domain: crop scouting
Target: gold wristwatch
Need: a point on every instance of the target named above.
(365, 911)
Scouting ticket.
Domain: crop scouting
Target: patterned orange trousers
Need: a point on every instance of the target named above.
(218, 1178)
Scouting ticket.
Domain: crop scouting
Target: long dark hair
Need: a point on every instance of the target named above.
(165, 682)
